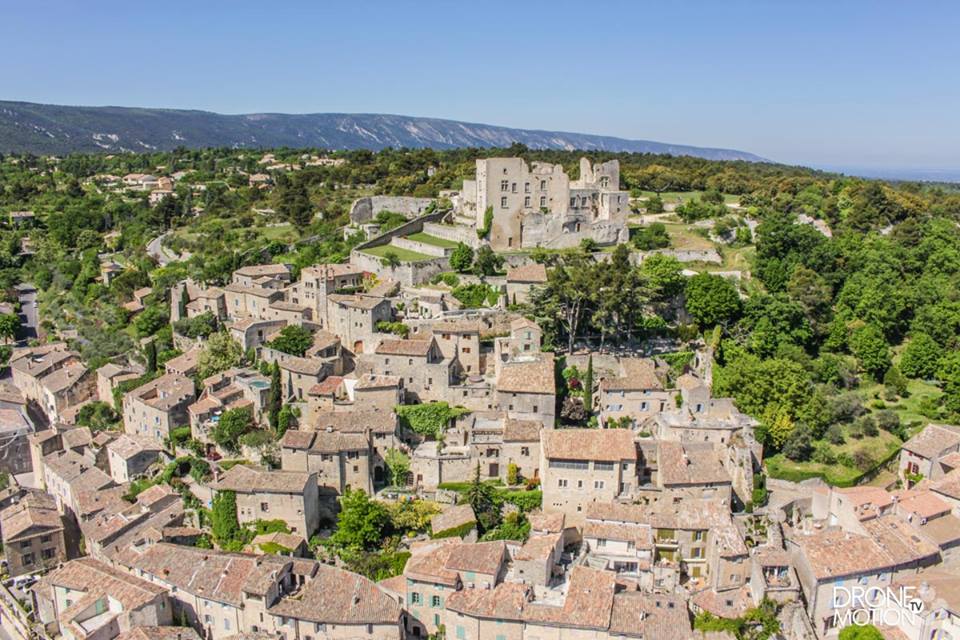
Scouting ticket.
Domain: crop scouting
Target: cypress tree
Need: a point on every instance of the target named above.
(276, 396)
(588, 387)
(151, 355)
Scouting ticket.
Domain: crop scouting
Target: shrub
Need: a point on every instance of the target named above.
(834, 434)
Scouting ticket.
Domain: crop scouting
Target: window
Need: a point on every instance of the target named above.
(264, 506)
(526, 201)
(503, 202)
(526, 187)
(44, 539)
(513, 187)
(28, 558)
(415, 598)
(601, 542)
(207, 619)
(524, 451)
(696, 552)
(582, 465)
(598, 484)
(504, 185)
(698, 535)
(543, 201)
(435, 601)
(562, 482)
(603, 466)
(226, 624)
(461, 634)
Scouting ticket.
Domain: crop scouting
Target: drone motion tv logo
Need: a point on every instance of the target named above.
(861, 606)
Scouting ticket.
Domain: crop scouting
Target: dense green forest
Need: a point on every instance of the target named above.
(840, 345)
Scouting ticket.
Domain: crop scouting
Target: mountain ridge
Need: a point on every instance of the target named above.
(28, 127)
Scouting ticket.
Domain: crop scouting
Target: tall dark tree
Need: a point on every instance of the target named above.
(150, 352)
(276, 396)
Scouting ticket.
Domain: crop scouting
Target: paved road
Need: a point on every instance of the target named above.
(27, 294)
(161, 254)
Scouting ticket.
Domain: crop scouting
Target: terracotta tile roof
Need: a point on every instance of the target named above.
(28, 518)
(536, 376)
(654, 616)
(413, 348)
(639, 534)
(942, 530)
(899, 540)
(934, 440)
(538, 547)
(263, 270)
(690, 464)
(943, 587)
(605, 445)
(159, 633)
(534, 272)
(242, 478)
(127, 446)
(948, 485)
(588, 605)
(504, 602)
(452, 517)
(354, 421)
(479, 557)
(727, 604)
(546, 522)
(335, 596)
(357, 301)
(165, 392)
(428, 562)
(327, 386)
(833, 553)
(923, 504)
(455, 326)
(155, 494)
(377, 381)
(64, 377)
(185, 362)
(96, 578)
(521, 430)
(636, 374)
(209, 574)
(305, 366)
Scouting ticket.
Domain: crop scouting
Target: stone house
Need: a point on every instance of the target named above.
(250, 302)
(266, 594)
(67, 474)
(261, 494)
(636, 394)
(251, 333)
(319, 281)
(159, 406)
(337, 460)
(521, 280)
(921, 454)
(109, 377)
(86, 599)
(32, 531)
(426, 373)
(537, 560)
(269, 276)
(354, 318)
(458, 339)
(526, 390)
(130, 456)
(582, 466)
(52, 377)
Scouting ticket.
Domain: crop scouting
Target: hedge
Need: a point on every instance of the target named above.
(455, 532)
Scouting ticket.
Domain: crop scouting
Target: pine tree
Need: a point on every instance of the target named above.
(182, 303)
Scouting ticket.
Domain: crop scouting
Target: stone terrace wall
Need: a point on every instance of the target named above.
(366, 208)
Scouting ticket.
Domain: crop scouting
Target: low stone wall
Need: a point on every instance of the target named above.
(407, 274)
(453, 233)
(689, 255)
(367, 208)
(421, 247)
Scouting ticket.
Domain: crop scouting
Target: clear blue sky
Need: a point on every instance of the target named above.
(833, 83)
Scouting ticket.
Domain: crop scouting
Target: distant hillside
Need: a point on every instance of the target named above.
(52, 129)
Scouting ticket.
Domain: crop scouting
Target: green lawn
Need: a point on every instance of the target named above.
(426, 238)
(405, 255)
(907, 408)
(879, 446)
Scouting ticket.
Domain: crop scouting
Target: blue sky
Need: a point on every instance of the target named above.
(842, 84)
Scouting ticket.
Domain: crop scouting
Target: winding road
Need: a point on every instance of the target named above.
(161, 254)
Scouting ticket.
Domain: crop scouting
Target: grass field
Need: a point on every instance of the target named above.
(404, 255)
(426, 238)
(678, 197)
(683, 237)
(907, 408)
